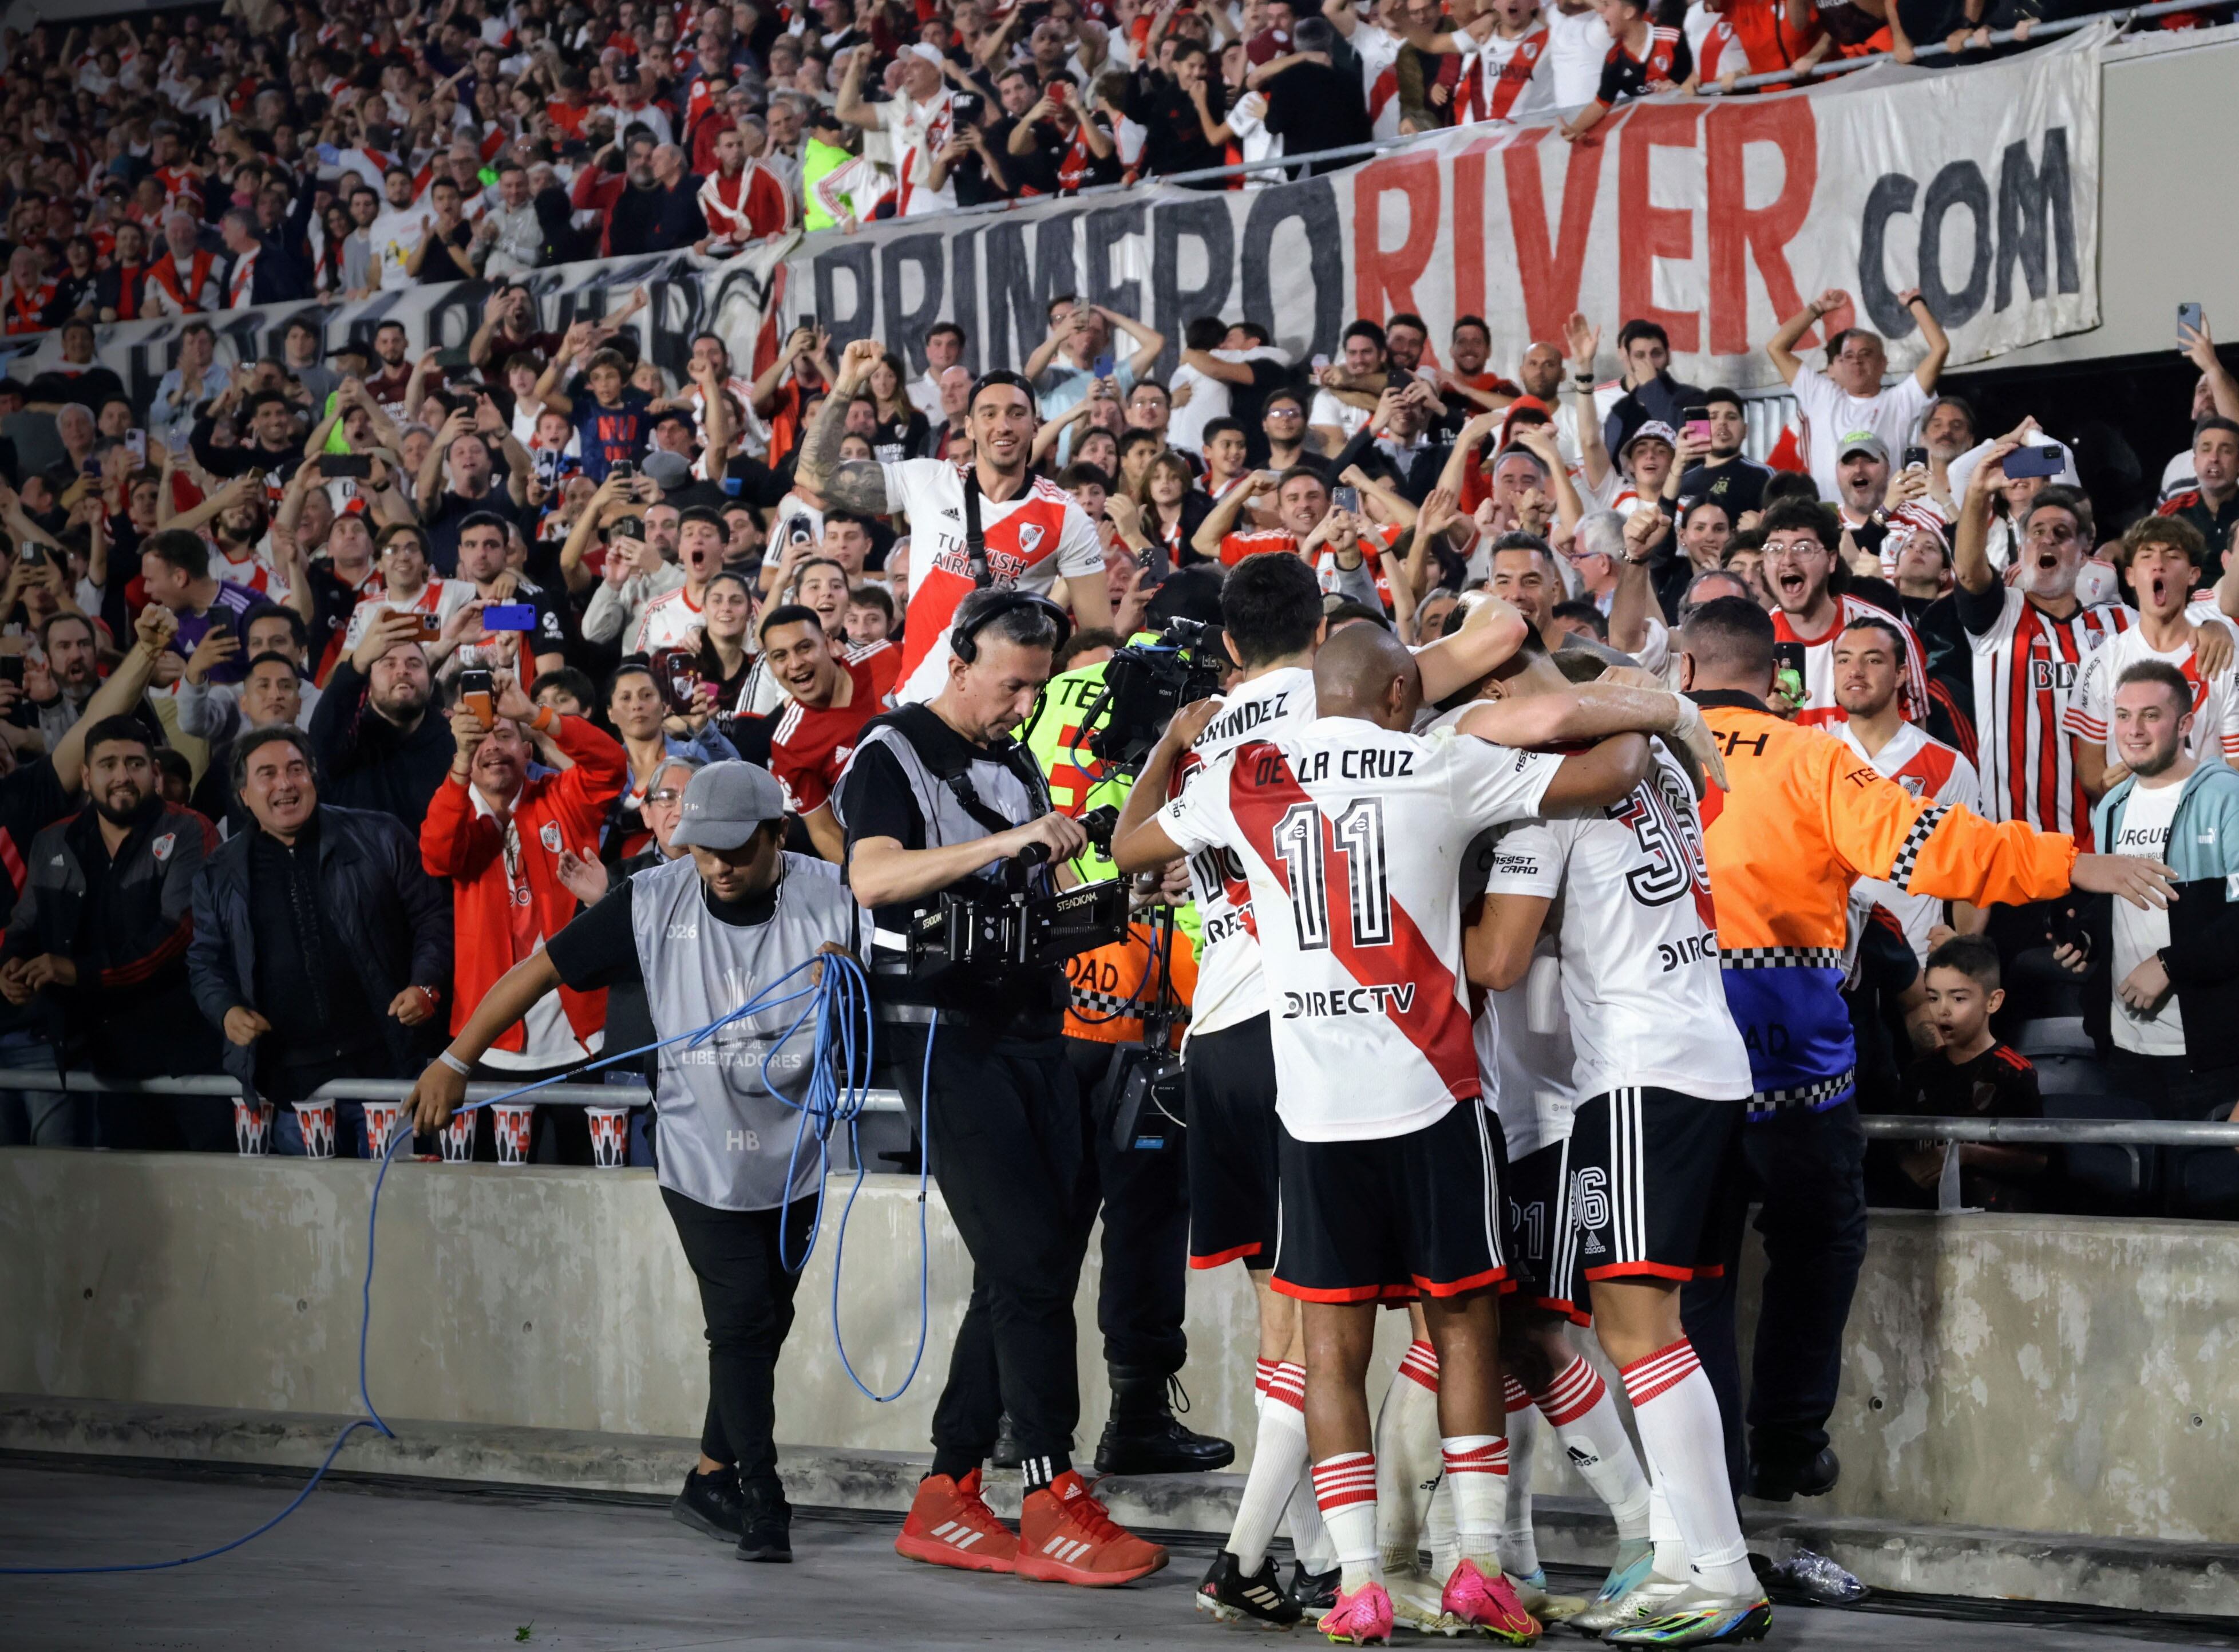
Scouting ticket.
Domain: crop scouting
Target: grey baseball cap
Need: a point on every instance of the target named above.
(725, 802)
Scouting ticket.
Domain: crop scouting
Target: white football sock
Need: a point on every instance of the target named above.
(1677, 1413)
(1578, 1402)
(1278, 1460)
(1439, 1534)
(1519, 1546)
(1477, 1474)
(1345, 1486)
(1310, 1539)
(1670, 1560)
(1406, 1456)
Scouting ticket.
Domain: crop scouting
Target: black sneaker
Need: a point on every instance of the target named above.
(1227, 1595)
(765, 1524)
(709, 1502)
(1314, 1592)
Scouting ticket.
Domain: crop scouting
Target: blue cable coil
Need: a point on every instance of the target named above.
(841, 1000)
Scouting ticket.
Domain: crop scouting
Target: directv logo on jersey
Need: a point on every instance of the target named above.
(1350, 1000)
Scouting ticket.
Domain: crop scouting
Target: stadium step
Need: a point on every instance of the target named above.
(2135, 1575)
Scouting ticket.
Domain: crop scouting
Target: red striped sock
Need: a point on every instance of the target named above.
(1577, 1389)
(1260, 1374)
(1345, 1486)
(1665, 1368)
(1287, 1384)
(1421, 1362)
(1515, 1397)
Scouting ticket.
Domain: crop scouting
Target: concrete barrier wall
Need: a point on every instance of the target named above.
(2068, 1376)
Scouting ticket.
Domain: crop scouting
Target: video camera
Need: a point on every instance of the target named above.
(1016, 929)
(1145, 683)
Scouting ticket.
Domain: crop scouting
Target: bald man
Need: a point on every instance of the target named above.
(1383, 1138)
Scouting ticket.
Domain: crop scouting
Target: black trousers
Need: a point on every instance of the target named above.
(1144, 1190)
(746, 1297)
(1807, 1171)
(1009, 1148)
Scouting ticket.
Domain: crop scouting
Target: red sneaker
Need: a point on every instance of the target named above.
(1067, 1536)
(950, 1524)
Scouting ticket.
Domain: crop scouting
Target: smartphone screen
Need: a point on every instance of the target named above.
(1787, 671)
(478, 695)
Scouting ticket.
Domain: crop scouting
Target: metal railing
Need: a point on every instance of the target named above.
(2130, 1133)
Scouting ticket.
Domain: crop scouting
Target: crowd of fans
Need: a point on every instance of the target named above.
(182, 161)
(332, 683)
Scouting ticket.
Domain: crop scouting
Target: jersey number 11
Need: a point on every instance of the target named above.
(1304, 849)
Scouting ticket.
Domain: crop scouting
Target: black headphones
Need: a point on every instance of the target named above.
(964, 641)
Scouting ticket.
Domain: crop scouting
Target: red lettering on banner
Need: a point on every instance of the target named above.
(1549, 277)
(1736, 230)
(1385, 281)
(1469, 225)
(1646, 232)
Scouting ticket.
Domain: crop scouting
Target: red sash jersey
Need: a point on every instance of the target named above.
(1031, 540)
(1478, 100)
(26, 307)
(1666, 62)
(809, 745)
(746, 207)
(186, 292)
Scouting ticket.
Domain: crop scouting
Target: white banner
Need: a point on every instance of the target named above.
(1715, 217)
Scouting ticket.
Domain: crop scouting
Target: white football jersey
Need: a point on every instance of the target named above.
(1352, 839)
(1638, 941)
(1229, 986)
(1523, 1035)
(2090, 714)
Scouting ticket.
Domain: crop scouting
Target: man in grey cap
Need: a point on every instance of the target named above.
(701, 933)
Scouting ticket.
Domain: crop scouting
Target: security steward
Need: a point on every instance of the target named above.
(938, 799)
(701, 934)
(1141, 1174)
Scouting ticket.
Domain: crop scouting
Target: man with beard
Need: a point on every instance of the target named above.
(482, 539)
(1033, 531)
(2031, 641)
(375, 741)
(829, 698)
(1805, 569)
(101, 931)
(175, 568)
(1725, 477)
(73, 671)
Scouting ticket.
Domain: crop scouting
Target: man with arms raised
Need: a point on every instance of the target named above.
(989, 522)
(1803, 566)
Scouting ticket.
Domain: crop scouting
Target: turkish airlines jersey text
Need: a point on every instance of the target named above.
(1639, 941)
(1351, 839)
(1229, 987)
(1031, 541)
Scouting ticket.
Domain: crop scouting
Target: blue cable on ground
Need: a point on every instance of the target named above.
(840, 1000)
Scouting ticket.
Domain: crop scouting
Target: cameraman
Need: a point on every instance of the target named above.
(1142, 1180)
(938, 799)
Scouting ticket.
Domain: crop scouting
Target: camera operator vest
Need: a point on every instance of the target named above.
(960, 792)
